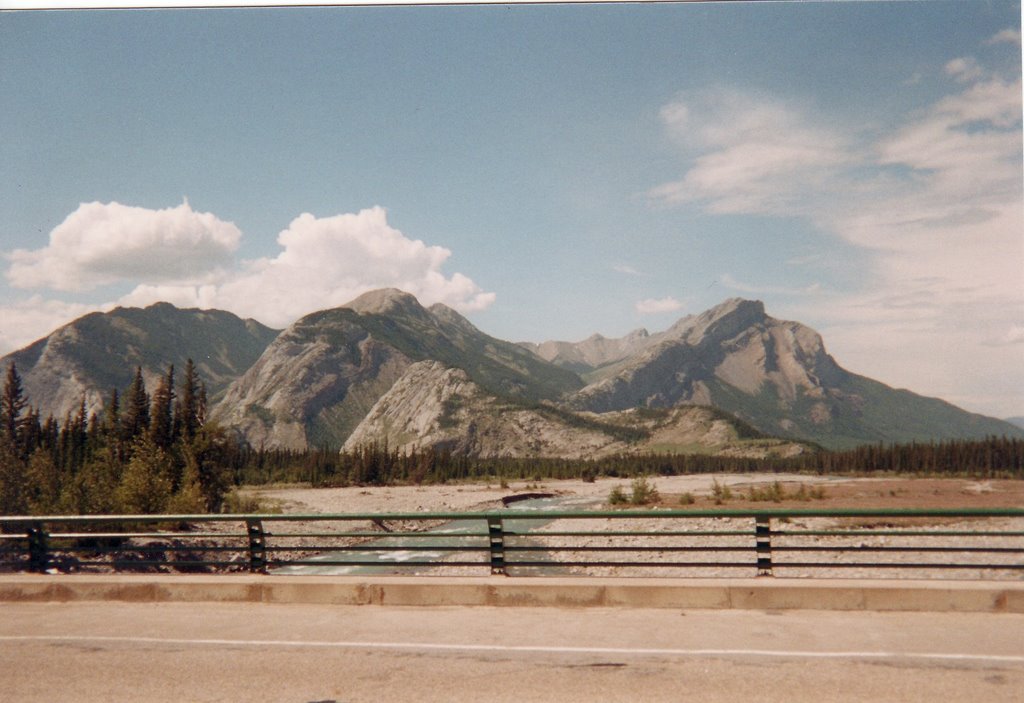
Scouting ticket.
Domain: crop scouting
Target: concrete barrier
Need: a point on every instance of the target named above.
(743, 594)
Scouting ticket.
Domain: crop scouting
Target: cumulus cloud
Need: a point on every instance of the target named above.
(181, 257)
(654, 306)
(326, 262)
(323, 263)
(103, 243)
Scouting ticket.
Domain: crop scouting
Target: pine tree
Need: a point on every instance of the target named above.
(201, 404)
(13, 494)
(12, 403)
(112, 417)
(135, 420)
(161, 421)
(145, 487)
(187, 409)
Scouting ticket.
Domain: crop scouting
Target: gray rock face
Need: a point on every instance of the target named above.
(320, 378)
(594, 351)
(435, 406)
(777, 376)
(432, 405)
(98, 352)
(311, 386)
(734, 343)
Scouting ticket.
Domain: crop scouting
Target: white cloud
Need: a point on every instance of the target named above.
(324, 263)
(99, 243)
(1005, 36)
(655, 306)
(628, 270)
(964, 69)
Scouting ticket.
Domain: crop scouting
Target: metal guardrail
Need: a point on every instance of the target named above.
(764, 542)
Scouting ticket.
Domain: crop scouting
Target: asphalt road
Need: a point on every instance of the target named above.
(302, 653)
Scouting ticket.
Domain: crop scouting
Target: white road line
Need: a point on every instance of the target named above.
(540, 649)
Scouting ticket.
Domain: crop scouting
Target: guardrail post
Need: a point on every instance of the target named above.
(763, 535)
(38, 551)
(257, 546)
(496, 534)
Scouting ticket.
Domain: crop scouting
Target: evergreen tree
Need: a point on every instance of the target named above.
(13, 496)
(188, 499)
(12, 403)
(145, 487)
(209, 453)
(135, 420)
(186, 410)
(112, 417)
(161, 421)
(43, 482)
(201, 404)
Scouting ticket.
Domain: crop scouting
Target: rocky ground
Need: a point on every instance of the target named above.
(833, 492)
(728, 491)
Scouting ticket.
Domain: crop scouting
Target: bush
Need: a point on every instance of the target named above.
(720, 492)
(687, 499)
(774, 493)
(617, 496)
(643, 493)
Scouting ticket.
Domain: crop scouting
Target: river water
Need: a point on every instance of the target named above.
(438, 543)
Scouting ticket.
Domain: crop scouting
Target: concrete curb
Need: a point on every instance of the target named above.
(740, 594)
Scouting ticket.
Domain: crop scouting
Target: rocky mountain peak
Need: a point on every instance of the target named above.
(386, 301)
(725, 320)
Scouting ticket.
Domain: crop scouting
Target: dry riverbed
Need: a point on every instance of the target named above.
(828, 492)
(721, 491)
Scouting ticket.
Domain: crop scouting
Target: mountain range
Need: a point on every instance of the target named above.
(383, 368)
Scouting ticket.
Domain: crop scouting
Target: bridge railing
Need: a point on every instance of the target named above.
(962, 543)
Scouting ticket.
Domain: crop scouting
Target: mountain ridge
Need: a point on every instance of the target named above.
(89, 356)
(349, 371)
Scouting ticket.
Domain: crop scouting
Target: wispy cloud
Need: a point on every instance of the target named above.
(934, 205)
(964, 69)
(804, 260)
(628, 270)
(754, 155)
(728, 281)
(1005, 36)
(657, 306)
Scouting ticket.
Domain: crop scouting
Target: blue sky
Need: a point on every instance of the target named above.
(551, 171)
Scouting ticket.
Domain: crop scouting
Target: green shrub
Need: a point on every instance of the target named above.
(643, 493)
(617, 496)
(774, 493)
(720, 492)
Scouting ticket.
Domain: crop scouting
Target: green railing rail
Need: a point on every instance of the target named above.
(763, 542)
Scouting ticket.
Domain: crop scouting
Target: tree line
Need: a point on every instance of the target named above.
(376, 464)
